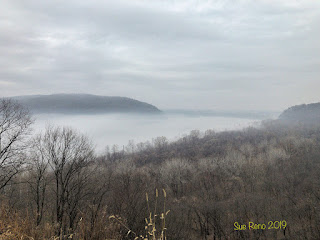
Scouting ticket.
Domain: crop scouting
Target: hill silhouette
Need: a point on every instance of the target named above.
(306, 113)
(84, 104)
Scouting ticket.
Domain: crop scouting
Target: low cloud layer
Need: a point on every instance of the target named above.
(248, 54)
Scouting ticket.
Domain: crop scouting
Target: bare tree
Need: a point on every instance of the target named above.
(38, 178)
(15, 121)
(68, 154)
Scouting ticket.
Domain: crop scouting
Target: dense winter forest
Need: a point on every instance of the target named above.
(54, 186)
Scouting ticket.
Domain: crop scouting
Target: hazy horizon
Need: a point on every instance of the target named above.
(169, 108)
(256, 112)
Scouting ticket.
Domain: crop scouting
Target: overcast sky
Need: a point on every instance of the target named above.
(220, 54)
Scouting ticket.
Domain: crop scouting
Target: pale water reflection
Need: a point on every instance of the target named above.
(110, 129)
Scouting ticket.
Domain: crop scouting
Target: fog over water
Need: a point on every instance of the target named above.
(110, 129)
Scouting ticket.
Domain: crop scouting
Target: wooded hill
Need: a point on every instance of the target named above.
(84, 104)
(305, 113)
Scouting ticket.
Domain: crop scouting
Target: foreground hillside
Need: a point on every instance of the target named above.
(84, 104)
(212, 181)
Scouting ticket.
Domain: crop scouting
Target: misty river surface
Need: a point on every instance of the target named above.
(110, 129)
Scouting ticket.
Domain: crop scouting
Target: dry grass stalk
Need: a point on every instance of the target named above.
(154, 230)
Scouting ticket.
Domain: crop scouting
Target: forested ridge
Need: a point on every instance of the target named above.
(306, 113)
(54, 186)
(84, 104)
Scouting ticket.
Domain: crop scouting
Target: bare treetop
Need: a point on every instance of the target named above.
(15, 121)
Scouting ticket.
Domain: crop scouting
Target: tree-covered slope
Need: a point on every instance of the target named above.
(308, 113)
(84, 104)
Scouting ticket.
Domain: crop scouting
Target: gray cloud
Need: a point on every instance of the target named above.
(175, 54)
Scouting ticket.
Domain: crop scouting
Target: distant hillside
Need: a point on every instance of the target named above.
(84, 104)
(308, 113)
